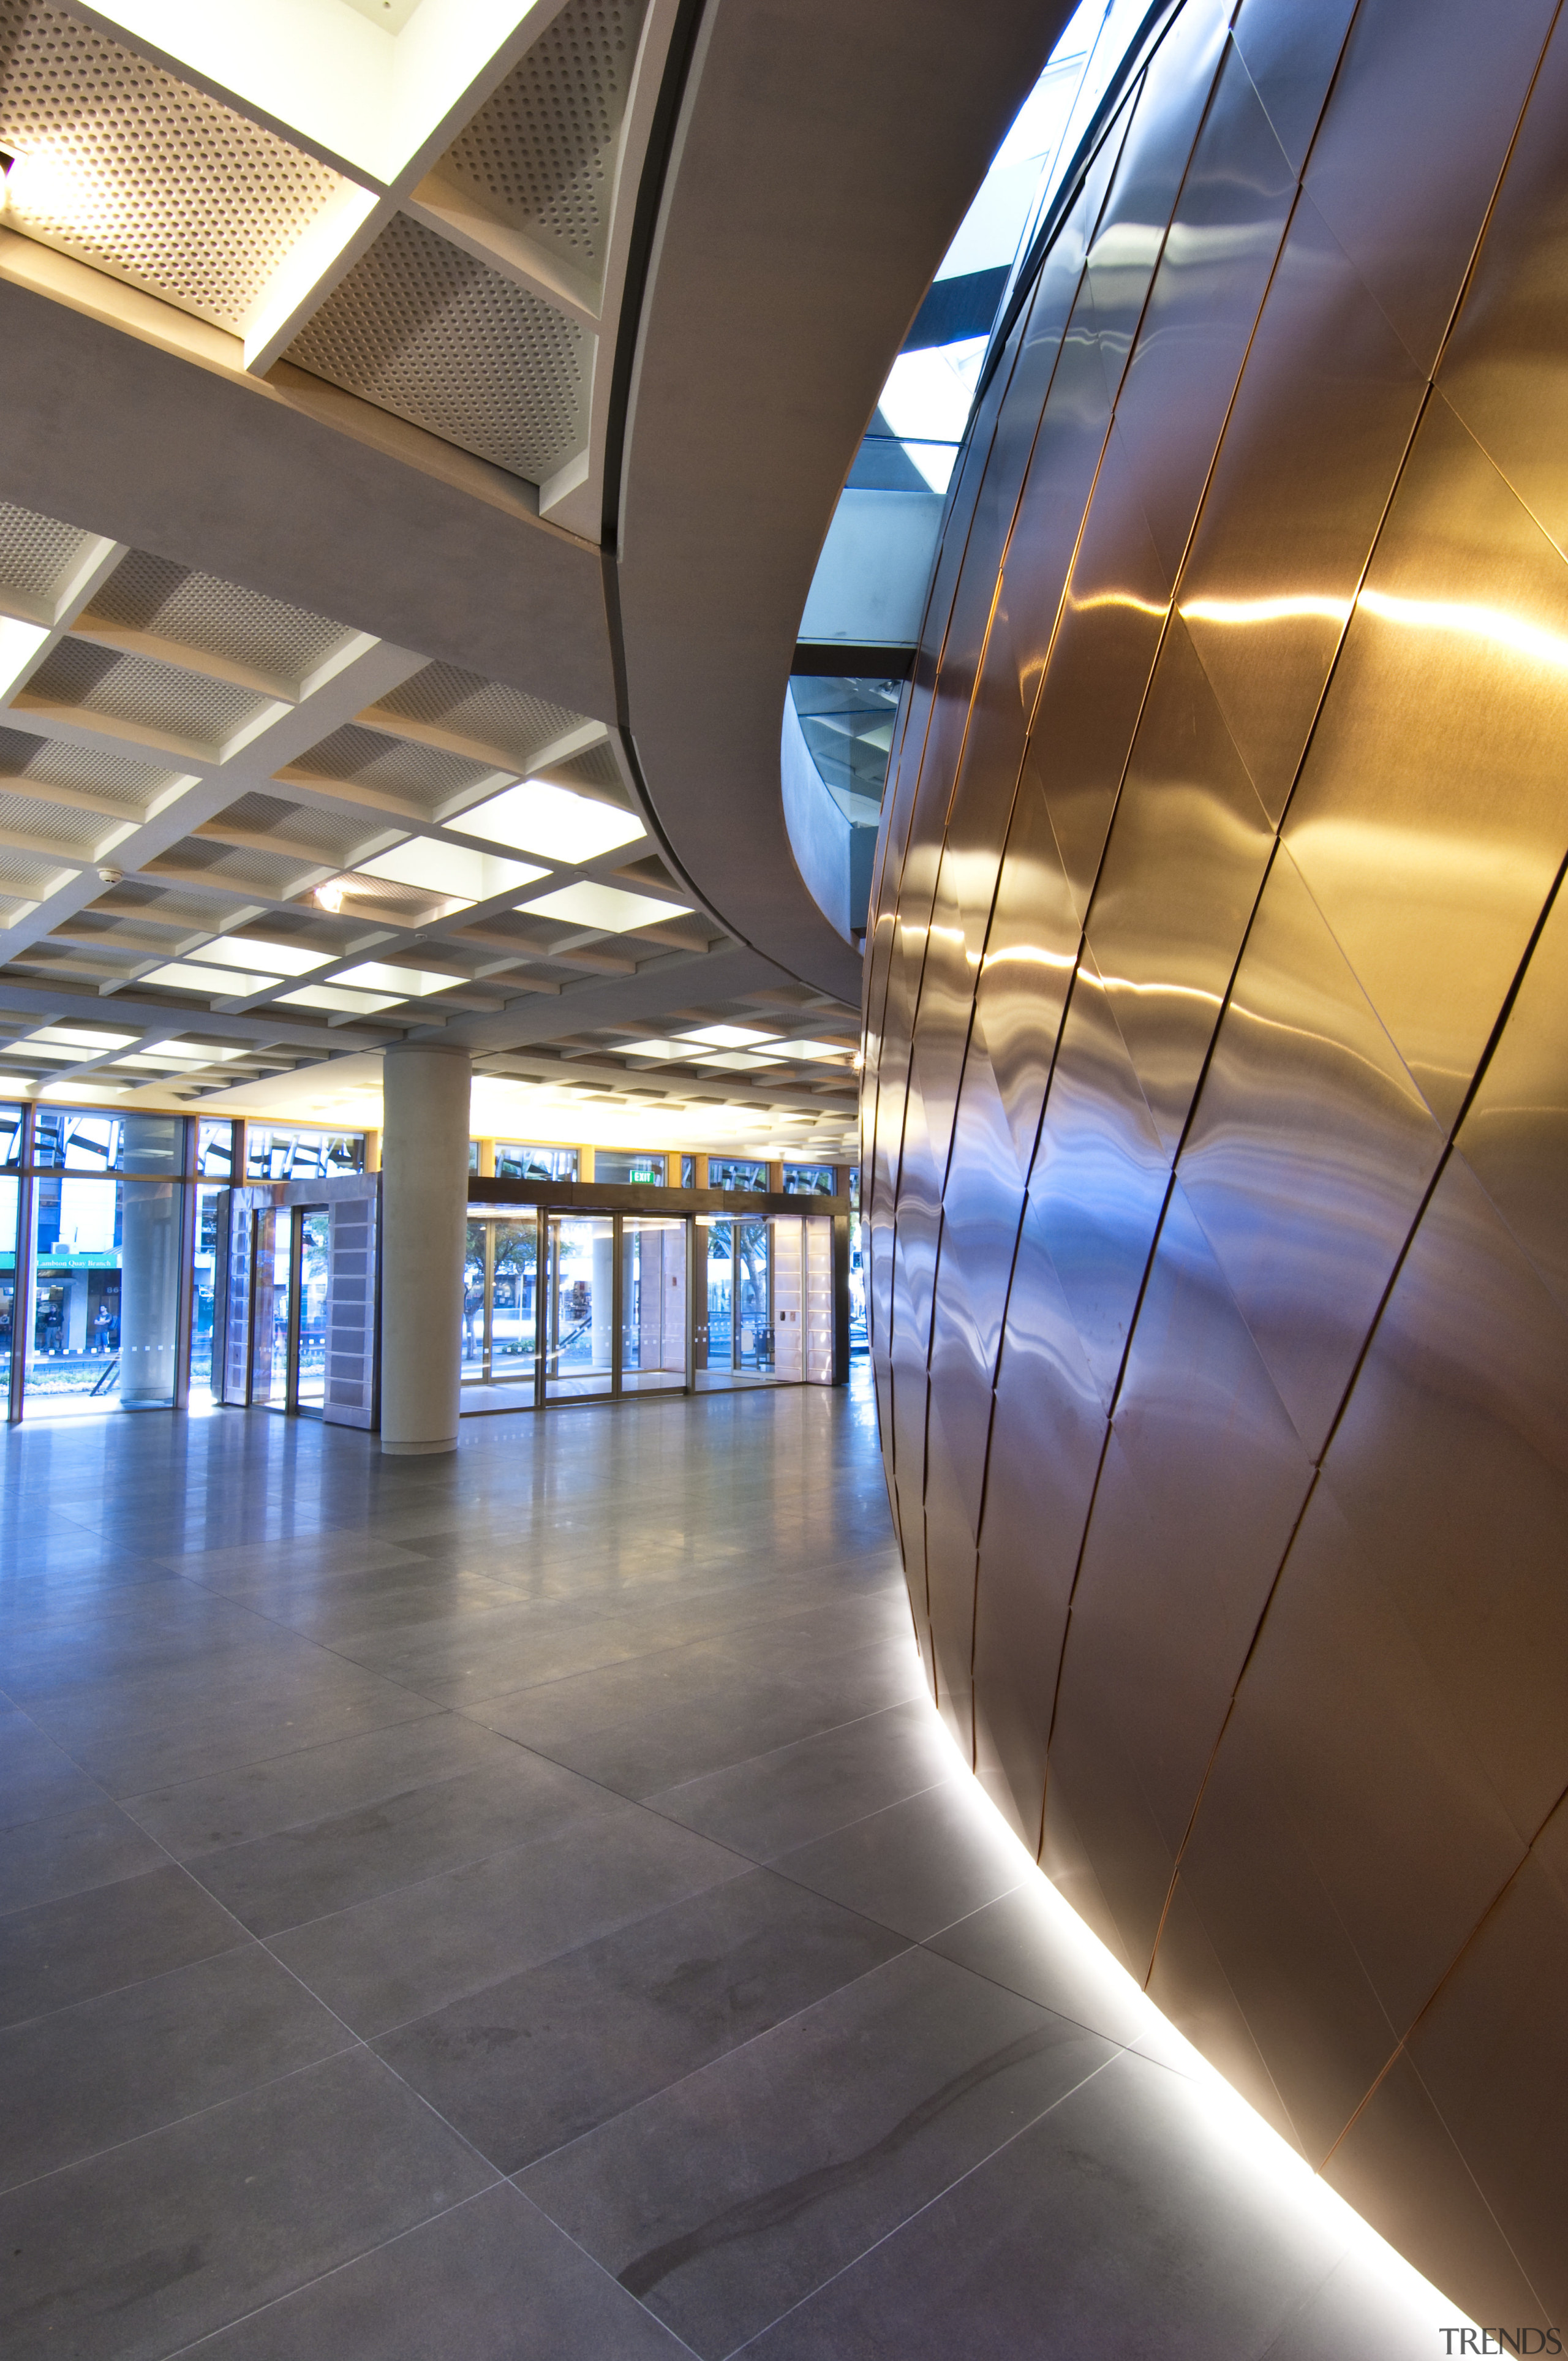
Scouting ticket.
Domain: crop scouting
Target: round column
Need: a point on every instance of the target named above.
(425, 1211)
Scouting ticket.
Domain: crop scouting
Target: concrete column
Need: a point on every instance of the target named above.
(424, 1213)
(149, 1255)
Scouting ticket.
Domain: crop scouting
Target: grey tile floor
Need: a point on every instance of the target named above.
(524, 1906)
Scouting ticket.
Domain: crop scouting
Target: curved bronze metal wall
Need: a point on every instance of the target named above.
(1216, 1120)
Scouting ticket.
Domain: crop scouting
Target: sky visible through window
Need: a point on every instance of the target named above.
(926, 401)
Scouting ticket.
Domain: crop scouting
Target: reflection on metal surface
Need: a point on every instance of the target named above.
(1216, 1093)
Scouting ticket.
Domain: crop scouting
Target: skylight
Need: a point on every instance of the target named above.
(728, 1037)
(606, 908)
(256, 952)
(552, 821)
(218, 982)
(450, 870)
(409, 984)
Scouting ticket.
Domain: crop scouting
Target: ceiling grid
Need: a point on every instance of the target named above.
(229, 822)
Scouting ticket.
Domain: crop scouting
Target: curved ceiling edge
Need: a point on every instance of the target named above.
(796, 235)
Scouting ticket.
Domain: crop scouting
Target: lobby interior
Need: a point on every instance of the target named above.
(780, 1555)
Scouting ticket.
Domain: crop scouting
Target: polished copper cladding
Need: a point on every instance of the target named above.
(1216, 1108)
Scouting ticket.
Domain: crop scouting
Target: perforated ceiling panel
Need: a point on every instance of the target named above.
(141, 175)
(150, 593)
(152, 696)
(516, 725)
(594, 772)
(423, 775)
(37, 556)
(26, 876)
(273, 877)
(335, 834)
(76, 832)
(131, 785)
(541, 153)
(434, 336)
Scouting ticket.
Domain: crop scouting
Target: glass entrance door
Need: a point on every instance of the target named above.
(270, 1319)
(753, 1322)
(652, 1303)
(500, 1300)
(512, 1298)
(580, 1307)
(310, 1279)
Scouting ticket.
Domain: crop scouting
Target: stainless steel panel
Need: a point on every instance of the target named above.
(1203, 308)
(981, 1212)
(1045, 1452)
(1290, 53)
(1504, 367)
(1176, 1568)
(1401, 2170)
(1061, 478)
(1411, 144)
(1432, 809)
(1187, 1984)
(1502, 2099)
(1326, 408)
(1093, 1773)
(1515, 1134)
(1451, 1465)
(1187, 855)
(1293, 1816)
(1366, 1760)
(1100, 1179)
(1031, 951)
(1131, 231)
(1104, 652)
(1280, 1943)
(1310, 1151)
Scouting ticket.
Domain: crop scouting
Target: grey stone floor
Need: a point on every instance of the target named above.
(523, 1904)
